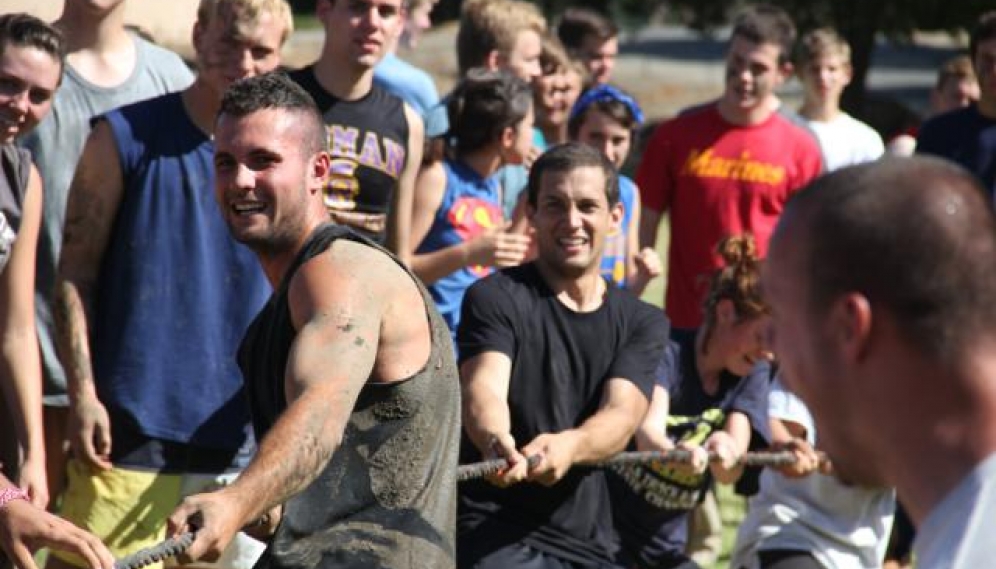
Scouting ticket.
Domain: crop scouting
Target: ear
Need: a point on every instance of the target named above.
(196, 35)
(850, 323)
(848, 74)
(617, 212)
(507, 138)
(321, 166)
(494, 60)
(322, 7)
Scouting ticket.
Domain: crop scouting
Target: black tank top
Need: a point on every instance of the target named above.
(387, 497)
(368, 141)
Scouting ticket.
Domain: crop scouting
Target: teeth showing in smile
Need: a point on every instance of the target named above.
(571, 241)
(247, 208)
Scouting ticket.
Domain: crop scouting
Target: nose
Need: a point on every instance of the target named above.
(20, 101)
(244, 179)
(573, 217)
(608, 149)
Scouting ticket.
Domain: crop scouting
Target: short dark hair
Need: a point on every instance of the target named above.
(483, 105)
(764, 23)
(916, 236)
(25, 30)
(984, 30)
(568, 157)
(576, 24)
(276, 90)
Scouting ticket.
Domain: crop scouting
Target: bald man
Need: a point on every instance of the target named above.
(881, 284)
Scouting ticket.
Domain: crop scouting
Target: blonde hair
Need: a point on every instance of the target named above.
(247, 13)
(493, 25)
(821, 42)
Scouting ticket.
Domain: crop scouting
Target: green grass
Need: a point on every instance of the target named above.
(306, 22)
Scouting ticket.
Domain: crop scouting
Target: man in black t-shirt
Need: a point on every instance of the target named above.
(557, 365)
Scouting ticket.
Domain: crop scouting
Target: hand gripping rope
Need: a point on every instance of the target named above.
(175, 546)
(489, 467)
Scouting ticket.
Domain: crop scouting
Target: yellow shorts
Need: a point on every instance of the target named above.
(127, 509)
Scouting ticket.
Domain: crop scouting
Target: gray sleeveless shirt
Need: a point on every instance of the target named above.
(387, 497)
(15, 168)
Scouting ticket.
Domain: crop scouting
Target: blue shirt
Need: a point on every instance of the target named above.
(176, 292)
(469, 207)
(410, 83)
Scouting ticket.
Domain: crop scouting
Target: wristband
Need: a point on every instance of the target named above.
(11, 493)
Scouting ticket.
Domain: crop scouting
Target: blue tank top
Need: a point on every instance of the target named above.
(615, 254)
(175, 293)
(470, 206)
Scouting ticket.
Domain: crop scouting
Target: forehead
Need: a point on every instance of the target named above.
(744, 49)
(584, 182)
(594, 119)
(528, 42)
(266, 128)
(31, 65)
(594, 45)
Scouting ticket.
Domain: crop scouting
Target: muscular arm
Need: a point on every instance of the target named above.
(399, 224)
(338, 318)
(94, 198)
(21, 363)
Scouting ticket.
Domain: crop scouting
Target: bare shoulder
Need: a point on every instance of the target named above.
(367, 292)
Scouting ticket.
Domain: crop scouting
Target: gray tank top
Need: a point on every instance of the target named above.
(387, 497)
(15, 164)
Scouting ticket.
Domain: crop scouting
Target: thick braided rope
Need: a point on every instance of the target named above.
(169, 548)
(764, 458)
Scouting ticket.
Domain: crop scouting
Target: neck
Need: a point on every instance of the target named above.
(747, 117)
(937, 439)
(202, 103)
(485, 161)
(276, 261)
(820, 111)
(987, 107)
(584, 293)
(88, 31)
(554, 134)
(343, 82)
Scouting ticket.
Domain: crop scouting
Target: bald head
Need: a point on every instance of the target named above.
(915, 236)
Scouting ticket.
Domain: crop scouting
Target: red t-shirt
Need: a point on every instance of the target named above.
(718, 179)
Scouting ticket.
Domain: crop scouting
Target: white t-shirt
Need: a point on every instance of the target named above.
(960, 532)
(846, 141)
(842, 526)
